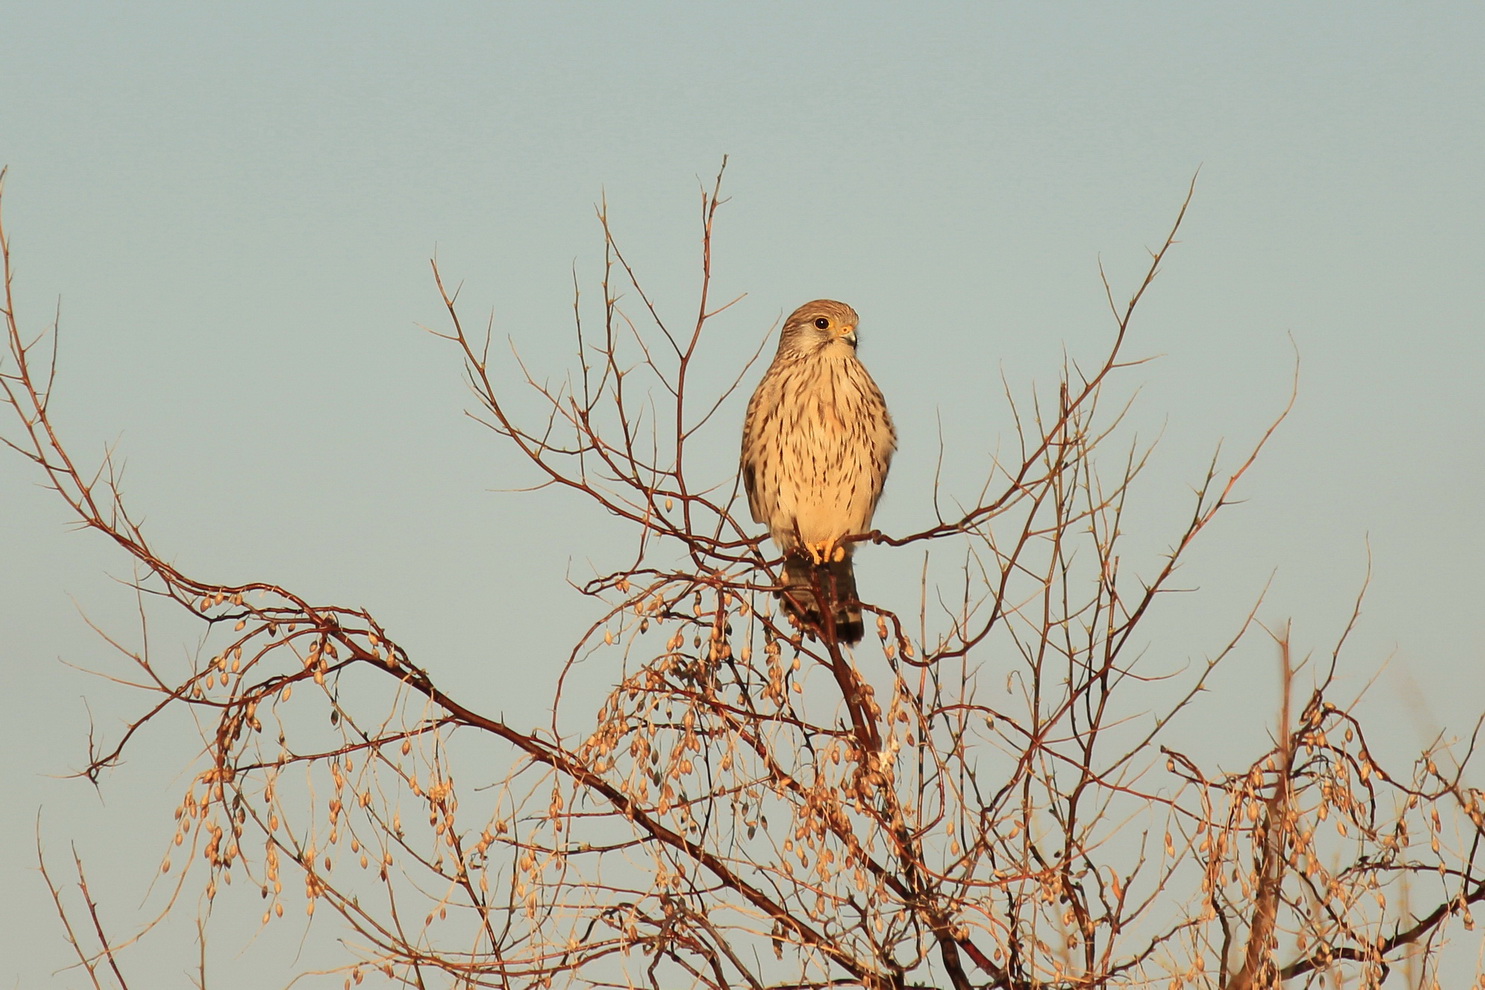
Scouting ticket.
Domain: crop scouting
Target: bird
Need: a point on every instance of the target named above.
(817, 443)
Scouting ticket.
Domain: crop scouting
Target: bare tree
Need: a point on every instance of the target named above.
(755, 806)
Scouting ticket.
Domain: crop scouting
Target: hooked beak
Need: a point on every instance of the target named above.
(849, 335)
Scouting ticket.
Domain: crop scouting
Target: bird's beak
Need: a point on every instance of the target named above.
(849, 335)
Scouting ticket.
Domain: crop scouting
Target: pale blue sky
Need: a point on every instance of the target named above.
(236, 208)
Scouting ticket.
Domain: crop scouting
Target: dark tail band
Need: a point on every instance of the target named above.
(807, 583)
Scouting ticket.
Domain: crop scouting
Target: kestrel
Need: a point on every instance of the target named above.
(816, 445)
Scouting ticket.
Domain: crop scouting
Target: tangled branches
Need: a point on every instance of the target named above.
(749, 807)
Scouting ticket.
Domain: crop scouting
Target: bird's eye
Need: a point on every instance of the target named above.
(822, 323)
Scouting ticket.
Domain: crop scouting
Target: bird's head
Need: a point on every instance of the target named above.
(818, 324)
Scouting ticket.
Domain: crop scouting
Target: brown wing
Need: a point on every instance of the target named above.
(754, 450)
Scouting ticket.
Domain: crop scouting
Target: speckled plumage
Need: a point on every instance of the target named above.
(817, 443)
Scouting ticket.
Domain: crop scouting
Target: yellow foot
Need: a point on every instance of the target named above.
(824, 552)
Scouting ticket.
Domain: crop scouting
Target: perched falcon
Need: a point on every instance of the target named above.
(816, 445)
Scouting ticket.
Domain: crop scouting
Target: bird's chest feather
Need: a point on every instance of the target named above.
(820, 450)
(828, 418)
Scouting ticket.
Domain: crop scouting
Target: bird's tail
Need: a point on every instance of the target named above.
(806, 584)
